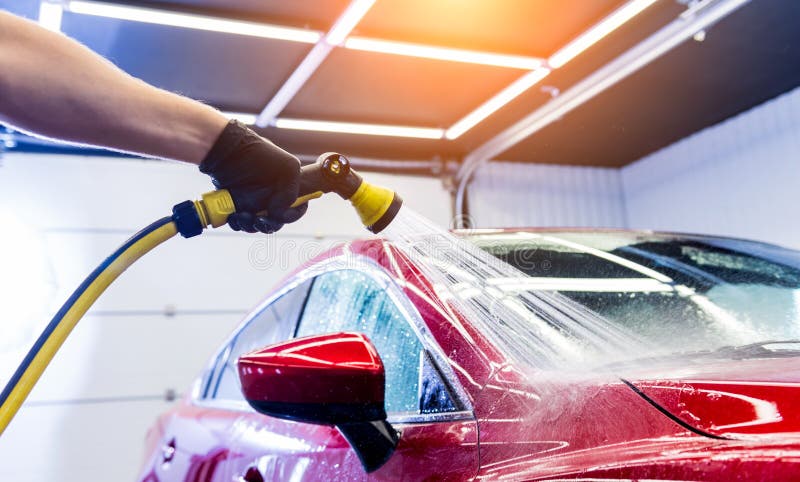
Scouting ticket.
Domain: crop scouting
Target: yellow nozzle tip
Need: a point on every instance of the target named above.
(388, 216)
(376, 205)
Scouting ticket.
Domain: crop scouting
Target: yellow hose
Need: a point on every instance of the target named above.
(189, 218)
(73, 310)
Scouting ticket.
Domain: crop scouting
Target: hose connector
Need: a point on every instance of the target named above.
(213, 209)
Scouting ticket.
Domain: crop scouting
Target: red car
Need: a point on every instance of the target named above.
(545, 355)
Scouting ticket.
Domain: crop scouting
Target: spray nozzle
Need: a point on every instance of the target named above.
(375, 205)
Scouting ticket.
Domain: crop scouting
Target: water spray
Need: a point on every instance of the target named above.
(375, 205)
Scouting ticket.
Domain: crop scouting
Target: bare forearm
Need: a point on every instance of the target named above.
(55, 87)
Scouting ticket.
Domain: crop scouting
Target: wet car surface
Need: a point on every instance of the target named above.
(705, 388)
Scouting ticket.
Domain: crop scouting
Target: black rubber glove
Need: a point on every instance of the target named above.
(260, 177)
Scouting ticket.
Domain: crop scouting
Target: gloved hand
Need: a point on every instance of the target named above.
(260, 177)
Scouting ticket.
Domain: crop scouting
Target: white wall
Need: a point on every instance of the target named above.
(60, 216)
(738, 178)
(505, 194)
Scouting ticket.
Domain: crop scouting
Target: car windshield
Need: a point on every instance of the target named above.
(680, 293)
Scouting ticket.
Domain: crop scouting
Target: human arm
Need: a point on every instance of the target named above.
(55, 87)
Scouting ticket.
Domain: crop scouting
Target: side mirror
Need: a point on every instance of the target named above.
(336, 379)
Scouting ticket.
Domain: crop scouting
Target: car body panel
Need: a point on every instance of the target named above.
(216, 444)
(663, 458)
(517, 425)
(731, 398)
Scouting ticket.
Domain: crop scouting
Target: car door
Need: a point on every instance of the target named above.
(438, 432)
(258, 447)
(216, 436)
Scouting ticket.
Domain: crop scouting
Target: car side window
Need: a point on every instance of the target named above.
(275, 322)
(349, 300)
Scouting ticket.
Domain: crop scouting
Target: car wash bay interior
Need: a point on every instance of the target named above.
(691, 141)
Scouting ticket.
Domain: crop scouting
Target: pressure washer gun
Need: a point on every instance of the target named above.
(376, 206)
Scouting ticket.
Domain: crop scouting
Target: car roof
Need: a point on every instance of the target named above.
(599, 231)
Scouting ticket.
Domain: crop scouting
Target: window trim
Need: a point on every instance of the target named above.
(200, 389)
(408, 310)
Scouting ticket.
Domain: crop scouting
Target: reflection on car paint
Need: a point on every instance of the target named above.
(526, 423)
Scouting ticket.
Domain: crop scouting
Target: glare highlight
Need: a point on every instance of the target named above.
(495, 103)
(340, 29)
(198, 22)
(598, 31)
(588, 285)
(348, 21)
(356, 128)
(242, 117)
(50, 16)
(443, 53)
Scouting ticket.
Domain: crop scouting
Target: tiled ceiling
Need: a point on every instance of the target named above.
(696, 85)
(526, 27)
(232, 72)
(389, 89)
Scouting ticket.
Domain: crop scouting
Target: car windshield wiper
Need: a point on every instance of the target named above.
(740, 352)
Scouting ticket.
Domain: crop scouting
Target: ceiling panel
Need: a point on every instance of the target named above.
(746, 59)
(749, 57)
(525, 27)
(314, 14)
(228, 71)
(389, 89)
(24, 8)
(378, 147)
(619, 41)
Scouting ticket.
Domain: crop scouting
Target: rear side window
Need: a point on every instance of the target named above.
(349, 300)
(276, 322)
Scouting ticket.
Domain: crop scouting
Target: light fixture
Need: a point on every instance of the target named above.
(614, 71)
(631, 61)
(356, 128)
(187, 20)
(50, 16)
(243, 117)
(348, 21)
(443, 53)
(598, 31)
(335, 36)
(492, 105)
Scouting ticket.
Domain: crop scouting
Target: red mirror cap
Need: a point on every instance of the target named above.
(338, 368)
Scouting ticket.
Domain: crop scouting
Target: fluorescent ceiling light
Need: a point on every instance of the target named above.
(492, 105)
(243, 117)
(355, 128)
(598, 31)
(294, 83)
(186, 20)
(50, 16)
(443, 53)
(631, 61)
(348, 21)
(693, 7)
(340, 29)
